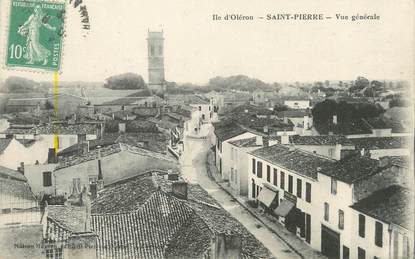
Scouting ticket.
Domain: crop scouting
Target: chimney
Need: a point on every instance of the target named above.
(285, 119)
(102, 128)
(291, 147)
(179, 189)
(335, 119)
(100, 176)
(266, 129)
(21, 168)
(85, 147)
(285, 139)
(86, 202)
(259, 141)
(227, 246)
(121, 127)
(338, 152)
(52, 158)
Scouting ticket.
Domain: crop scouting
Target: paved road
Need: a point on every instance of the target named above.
(194, 170)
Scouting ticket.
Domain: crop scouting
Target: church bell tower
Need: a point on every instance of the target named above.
(155, 48)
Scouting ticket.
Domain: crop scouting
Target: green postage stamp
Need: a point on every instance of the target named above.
(35, 34)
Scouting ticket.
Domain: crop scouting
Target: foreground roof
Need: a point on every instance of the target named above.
(225, 130)
(11, 174)
(381, 142)
(348, 170)
(153, 223)
(393, 204)
(246, 142)
(302, 162)
(330, 140)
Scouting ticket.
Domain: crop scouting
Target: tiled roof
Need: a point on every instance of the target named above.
(153, 141)
(393, 204)
(225, 130)
(141, 126)
(113, 198)
(353, 168)
(70, 217)
(64, 129)
(159, 225)
(299, 161)
(144, 233)
(15, 188)
(246, 142)
(381, 142)
(146, 111)
(164, 123)
(93, 144)
(92, 155)
(296, 113)
(4, 143)
(109, 150)
(248, 109)
(196, 99)
(12, 174)
(330, 140)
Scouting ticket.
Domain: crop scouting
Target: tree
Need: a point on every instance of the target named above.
(360, 83)
(323, 111)
(125, 81)
(15, 84)
(280, 107)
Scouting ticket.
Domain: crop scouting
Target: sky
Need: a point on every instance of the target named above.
(197, 48)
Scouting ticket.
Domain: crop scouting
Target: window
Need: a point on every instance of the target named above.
(290, 183)
(275, 177)
(253, 189)
(200, 108)
(299, 188)
(333, 186)
(259, 169)
(361, 253)
(253, 165)
(209, 108)
(378, 234)
(308, 192)
(326, 211)
(76, 185)
(282, 180)
(362, 222)
(268, 173)
(47, 179)
(346, 252)
(341, 219)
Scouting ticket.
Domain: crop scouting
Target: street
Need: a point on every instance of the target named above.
(193, 166)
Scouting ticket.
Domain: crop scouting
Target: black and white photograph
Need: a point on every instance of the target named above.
(207, 129)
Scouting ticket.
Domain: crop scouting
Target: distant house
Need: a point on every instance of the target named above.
(114, 162)
(377, 147)
(331, 146)
(334, 205)
(238, 174)
(20, 217)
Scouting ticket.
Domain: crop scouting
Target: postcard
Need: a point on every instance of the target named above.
(206, 129)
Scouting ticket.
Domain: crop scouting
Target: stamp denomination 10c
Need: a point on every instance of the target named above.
(35, 34)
